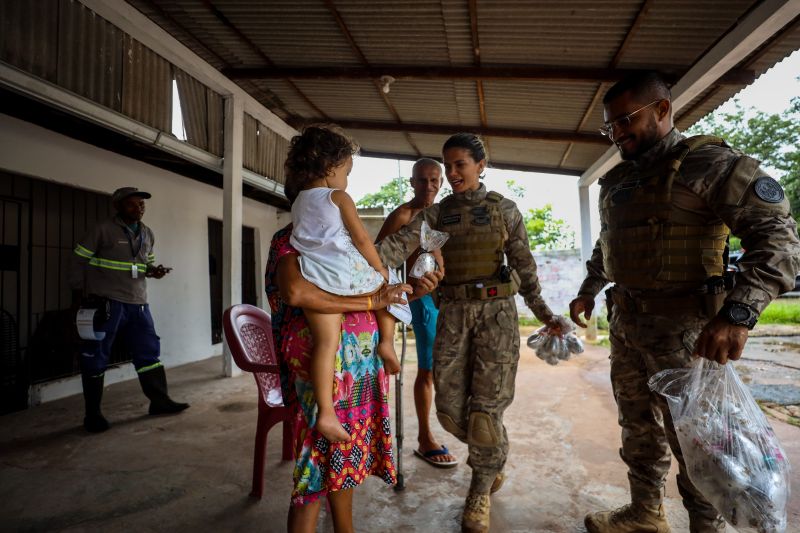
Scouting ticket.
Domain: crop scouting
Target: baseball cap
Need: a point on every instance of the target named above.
(123, 192)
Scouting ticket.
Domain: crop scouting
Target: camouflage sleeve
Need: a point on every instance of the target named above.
(520, 258)
(396, 248)
(755, 208)
(596, 277)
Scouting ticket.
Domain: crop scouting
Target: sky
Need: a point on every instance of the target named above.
(770, 93)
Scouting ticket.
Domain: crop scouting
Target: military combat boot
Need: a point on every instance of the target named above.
(154, 386)
(631, 518)
(94, 421)
(476, 514)
(702, 524)
(498, 482)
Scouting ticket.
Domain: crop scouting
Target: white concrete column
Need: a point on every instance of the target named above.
(232, 216)
(586, 247)
(586, 224)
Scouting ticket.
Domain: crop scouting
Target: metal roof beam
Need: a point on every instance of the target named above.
(474, 73)
(637, 22)
(476, 55)
(363, 58)
(448, 129)
(255, 48)
(755, 29)
(501, 166)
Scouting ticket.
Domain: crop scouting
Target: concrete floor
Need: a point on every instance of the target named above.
(192, 472)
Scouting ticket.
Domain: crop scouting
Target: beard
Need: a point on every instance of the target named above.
(644, 140)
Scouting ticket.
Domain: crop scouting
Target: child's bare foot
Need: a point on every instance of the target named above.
(390, 362)
(330, 428)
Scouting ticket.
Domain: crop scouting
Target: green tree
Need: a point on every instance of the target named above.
(545, 232)
(391, 195)
(773, 139)
(516, 190)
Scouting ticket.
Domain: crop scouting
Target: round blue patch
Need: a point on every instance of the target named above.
(768, 190)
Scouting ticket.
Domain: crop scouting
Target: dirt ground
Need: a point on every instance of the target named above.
(192, 472)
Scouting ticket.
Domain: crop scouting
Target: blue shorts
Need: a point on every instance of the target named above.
(133, 325)
(423, 320)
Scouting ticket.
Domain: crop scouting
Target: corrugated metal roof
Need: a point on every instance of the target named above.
(383, 142)
(574, 33)
(289, 32)
(522, 152)
(760, 61)
(405, 32)
(537, 105)
(436, 102)
(669, 34)
(582, 156)
(356, 99)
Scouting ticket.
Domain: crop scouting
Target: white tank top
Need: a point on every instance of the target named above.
(328, 258)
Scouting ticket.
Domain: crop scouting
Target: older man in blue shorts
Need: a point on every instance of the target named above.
(426, 179)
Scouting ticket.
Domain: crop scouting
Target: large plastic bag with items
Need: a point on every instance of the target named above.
(555, 344)
(429, 240)
(732, 455)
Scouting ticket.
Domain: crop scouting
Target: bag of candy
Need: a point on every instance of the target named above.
(429, 240)
(555, 344)
(732, 454)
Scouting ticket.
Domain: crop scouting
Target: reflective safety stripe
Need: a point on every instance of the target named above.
(116, 265)
(83, 252)
(151, 367)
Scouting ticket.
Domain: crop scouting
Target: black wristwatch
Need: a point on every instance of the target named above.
(739, 314)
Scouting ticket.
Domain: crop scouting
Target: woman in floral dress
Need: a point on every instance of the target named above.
(360, 388)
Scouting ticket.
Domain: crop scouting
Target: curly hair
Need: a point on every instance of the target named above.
(312, 155)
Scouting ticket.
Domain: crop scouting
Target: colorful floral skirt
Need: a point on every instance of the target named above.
(361, 390)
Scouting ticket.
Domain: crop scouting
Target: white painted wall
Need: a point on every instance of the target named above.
(177, 213)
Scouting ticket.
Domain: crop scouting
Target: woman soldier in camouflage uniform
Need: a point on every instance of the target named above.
(477, 335)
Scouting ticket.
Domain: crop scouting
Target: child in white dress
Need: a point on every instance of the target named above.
(336, 254)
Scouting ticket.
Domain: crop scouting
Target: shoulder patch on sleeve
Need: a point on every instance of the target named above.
(493, 196)
(769, 190)
(735, 187)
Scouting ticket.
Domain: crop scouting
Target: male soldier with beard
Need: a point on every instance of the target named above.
(666, 213)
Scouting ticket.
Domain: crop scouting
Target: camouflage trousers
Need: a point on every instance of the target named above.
(475, 358)
(641, 345)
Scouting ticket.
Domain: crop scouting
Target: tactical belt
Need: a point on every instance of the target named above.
(657, 305)
(479, 291)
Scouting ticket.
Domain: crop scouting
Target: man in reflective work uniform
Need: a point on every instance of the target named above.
(666, 213)
(110, 266)
(476, 351)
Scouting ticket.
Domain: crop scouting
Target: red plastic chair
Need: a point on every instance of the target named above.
(248, 332)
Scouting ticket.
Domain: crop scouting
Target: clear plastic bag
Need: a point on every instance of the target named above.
(429, 240)
(554, 345)
(732, 455)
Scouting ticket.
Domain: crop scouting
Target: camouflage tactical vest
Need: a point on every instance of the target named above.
(648, 240)
(478, 235)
